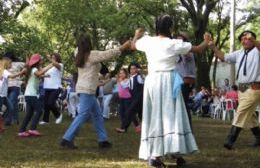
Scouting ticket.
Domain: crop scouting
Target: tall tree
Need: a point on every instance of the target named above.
(199, 11)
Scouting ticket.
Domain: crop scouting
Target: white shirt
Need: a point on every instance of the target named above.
(185, 65)
(54, 81)
(139, 80)
(161, 53)
(16, 67)
(252, 67)
(4, 83)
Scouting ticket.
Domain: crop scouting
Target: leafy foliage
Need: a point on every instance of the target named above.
(47, 26)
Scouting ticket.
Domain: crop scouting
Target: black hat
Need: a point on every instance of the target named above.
(246, 32)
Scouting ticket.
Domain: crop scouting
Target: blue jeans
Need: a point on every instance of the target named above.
(88, 107)
(13, 93)
(8, 113)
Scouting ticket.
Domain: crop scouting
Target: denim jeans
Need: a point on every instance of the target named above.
(13, 93)
(32, 105)
(106, 105)
(1, 102)
(8, 113)
(88, 107)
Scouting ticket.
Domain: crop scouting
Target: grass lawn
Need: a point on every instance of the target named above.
(45, 151)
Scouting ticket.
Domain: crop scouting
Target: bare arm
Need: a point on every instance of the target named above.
(54, 62)
(18, 74)
(199, 48)
(138, 34)
(100, 56)
(202, 46)
(219, 54)
(41, 72)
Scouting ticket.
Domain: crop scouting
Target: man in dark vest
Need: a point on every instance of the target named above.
(136, 84)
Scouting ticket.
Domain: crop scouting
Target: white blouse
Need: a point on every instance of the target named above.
(161, 52)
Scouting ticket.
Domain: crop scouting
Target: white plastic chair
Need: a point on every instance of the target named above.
(217, 109)
(228, 110)
(21, 103)
(258, 110)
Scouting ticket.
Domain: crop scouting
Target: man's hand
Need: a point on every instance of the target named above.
(207, 37)
(211, 44)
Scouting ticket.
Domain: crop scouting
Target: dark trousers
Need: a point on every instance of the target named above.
(8, 113)
(51, 96)
(134, 108)
(123, 105)
(13, 93)
(32, 106)
(186, 90)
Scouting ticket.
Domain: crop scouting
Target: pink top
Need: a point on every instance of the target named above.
(123, 89)
(233, 95)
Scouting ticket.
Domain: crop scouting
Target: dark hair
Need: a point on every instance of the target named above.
(57, 57)
(11, 56)
(29, 71)
(84, 48)
(163, 25)
(244, 33)
(234, 87)
(133, 64)
(104, 70)
(184, 36)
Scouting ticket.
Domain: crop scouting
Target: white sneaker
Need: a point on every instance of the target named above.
(43, 123)
(59, 120)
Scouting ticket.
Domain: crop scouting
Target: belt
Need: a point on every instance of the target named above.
(189, 80)
(244, 86)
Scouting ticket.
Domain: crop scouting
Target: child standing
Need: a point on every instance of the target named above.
(4, 75)
(34, 73)
(124, 96)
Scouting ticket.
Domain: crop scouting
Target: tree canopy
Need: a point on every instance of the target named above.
(46, 26)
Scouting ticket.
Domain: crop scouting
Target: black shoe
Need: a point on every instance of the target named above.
(8, 124)
(67, 144)
(104, 144)
(156, 163)
(228, 146)
(180, 161)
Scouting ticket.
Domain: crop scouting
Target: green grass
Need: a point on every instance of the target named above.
(45, 151)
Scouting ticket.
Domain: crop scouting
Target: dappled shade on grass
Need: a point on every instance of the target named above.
(46, 152)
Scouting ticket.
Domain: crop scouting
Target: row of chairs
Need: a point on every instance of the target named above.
(224, 110)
